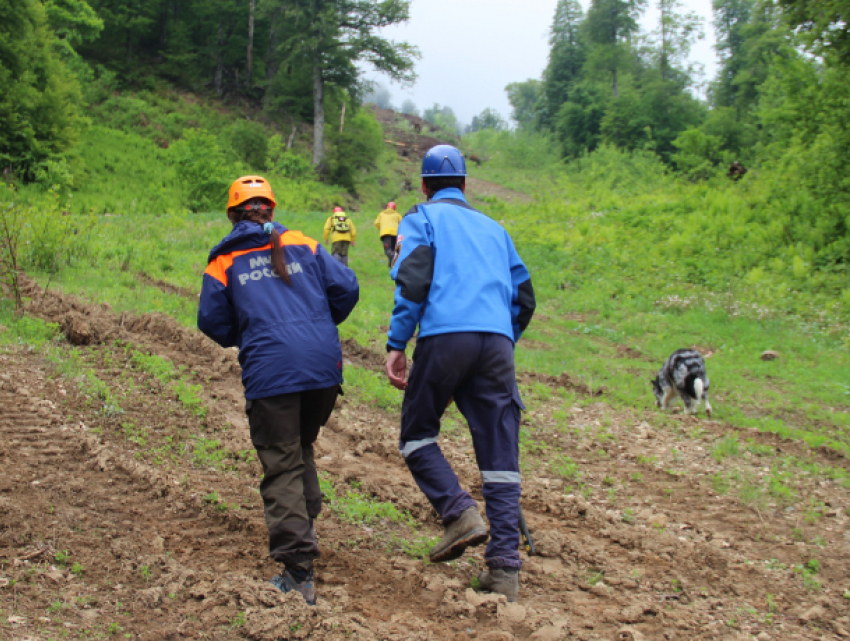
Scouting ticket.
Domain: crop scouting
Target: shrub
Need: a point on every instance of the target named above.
(250, 143)
(203, 171)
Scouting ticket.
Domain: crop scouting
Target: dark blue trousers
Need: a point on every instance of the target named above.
(477, 370)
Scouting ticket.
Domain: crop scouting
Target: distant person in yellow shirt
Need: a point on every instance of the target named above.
(344, 233)
(387, 224)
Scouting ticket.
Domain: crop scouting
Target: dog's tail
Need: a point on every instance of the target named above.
(698, 389)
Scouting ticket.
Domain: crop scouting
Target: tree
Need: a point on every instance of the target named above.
(578, 122)
(73, 21)
(380, 96)
(355, 148)
(127, 24)
(39, 103)
(750, 37)
(334, 35)
(676, 34)
(566, 59)
(610, 27)
(730, 20)
(409, 107)
(443, 117)
(487, 119)
(823, 23)
(525, 100)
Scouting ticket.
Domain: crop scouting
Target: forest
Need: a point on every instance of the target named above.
(294, 66)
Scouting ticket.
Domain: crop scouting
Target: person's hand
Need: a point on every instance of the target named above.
(353, 244)
(397, 369)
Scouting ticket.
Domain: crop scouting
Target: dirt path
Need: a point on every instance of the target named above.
(479, 188)
(126, 511)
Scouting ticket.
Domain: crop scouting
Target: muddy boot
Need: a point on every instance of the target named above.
(287, 582)
(466, 531)
(501, 581)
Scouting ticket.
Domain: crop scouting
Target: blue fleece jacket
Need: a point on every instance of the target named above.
(287, 336)
(456, 270)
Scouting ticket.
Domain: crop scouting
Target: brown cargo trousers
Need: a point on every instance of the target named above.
(283, 430)
(339, 250)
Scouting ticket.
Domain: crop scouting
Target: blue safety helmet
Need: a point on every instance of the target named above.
(443, 160)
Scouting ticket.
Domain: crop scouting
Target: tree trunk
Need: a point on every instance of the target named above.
(342, 118)
(250, 43)
(614, 75)
(318, 115)
(272, 63)
(219, 66)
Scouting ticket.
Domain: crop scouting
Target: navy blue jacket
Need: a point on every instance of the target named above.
(287, 336)
(457, 271)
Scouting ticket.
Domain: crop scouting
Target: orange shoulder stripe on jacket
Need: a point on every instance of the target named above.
(218, 267)
(297, 238)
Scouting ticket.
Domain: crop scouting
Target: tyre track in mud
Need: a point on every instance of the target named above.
(142, 550)
(575, 537)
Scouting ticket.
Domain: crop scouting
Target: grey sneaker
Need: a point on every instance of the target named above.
(285, 582)
(466, 531)
(501, 581)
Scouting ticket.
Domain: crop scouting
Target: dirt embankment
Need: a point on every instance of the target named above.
(124, 518)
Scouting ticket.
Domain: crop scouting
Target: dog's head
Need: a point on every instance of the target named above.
(657, 390)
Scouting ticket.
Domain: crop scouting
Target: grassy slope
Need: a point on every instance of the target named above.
(620, 278)
(802, 394)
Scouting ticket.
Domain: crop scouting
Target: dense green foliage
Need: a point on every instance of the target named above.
(282, 61)
(605, 84)
(39, 103)
(773, 107)
(285, 54)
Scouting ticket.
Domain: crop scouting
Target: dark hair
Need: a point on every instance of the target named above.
(238, 214)
(435, 184)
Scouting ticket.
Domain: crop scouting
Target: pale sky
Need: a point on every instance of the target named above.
(471, 49)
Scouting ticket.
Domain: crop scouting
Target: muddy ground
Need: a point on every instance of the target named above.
(127, 513)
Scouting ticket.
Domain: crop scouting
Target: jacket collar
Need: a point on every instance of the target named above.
(449, 192)
(244, 235)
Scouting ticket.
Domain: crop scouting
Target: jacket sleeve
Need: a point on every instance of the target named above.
(522, 292)
(216, 315)
(378, 220)
(412, 272)
(327, 229)
(340, 284)
(353, 230)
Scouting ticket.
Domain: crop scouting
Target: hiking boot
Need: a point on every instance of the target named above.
(501, 581)
(285, 582)
(466, 531)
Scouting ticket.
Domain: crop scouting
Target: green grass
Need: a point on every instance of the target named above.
(359, 509)
(24, 330)
(356, 508)
(583, 330)
(628, 264)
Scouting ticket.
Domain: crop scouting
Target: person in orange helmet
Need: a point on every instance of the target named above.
(387, 224)
(278, 296)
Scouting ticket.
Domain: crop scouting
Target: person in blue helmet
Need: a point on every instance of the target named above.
(459, 278)
(278, 296)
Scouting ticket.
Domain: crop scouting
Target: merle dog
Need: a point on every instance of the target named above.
(682, 374)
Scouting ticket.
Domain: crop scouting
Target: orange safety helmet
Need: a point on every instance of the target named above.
(338, 210)
(391, 205)
(249, 187)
